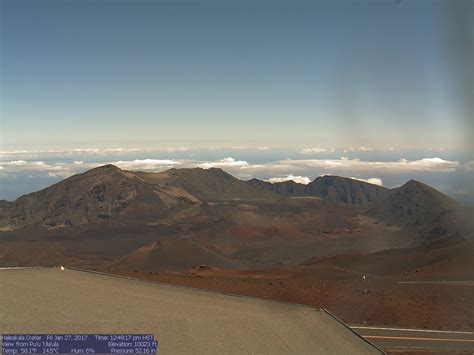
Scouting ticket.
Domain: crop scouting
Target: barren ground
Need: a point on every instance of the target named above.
(375, 301)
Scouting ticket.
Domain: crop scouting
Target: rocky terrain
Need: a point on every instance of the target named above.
(298, 243)
(172, 220)
(107, 192)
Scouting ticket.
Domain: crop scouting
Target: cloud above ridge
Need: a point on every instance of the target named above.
(145, 164)
(298, 179)
(374, 181)
(224, 163)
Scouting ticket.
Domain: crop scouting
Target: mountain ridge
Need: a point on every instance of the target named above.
(174, 219)
(108, 192)
(337, 189)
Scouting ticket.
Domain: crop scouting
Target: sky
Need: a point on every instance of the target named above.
(331, 86)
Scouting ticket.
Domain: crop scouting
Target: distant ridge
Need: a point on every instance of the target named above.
(107, 193)
(333, 188)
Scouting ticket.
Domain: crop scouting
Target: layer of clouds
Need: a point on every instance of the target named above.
(241, 168)
(85, 152)
(224, 163)
(19, 176)
(91, 152)
(365, 149)
(317, 150)
(31, 166)
(345, 165)
(298, 179)
(145, 164)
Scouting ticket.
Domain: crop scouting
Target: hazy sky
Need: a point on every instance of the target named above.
(376, 90)
(79, 73)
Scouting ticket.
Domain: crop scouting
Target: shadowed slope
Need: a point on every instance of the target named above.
(429, 213)
(95, 195)
(207, 184)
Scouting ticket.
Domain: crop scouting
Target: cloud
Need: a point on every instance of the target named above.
(85, 150)
(298, 179)
(238, 148)
(79, 152)
(374, 181)
(61, 174)
(345, 164)
(364, 149)
(145, 164)
(38, 166)
(282, 169)
(226, 162)
(19, 163)
(317, 150)
(23, 164)
(141, 150)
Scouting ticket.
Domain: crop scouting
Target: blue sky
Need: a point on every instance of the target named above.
(276, 73)
(393, 77)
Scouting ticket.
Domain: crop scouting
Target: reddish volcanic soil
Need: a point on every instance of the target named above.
(375, 301)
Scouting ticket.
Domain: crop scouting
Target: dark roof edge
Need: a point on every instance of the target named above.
(354, 332)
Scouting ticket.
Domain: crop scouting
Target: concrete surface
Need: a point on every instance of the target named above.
(183, 320)
(399, 339)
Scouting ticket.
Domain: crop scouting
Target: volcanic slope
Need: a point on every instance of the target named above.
(206, 184)
(425, 213)
(170, 220)
(172, 255)
(93, 196)
(108, 192)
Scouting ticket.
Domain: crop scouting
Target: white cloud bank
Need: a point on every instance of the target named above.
(345, 165)
(145, 164)
(317, 150)
(224, 163)
(298, 179)
(281, 170)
